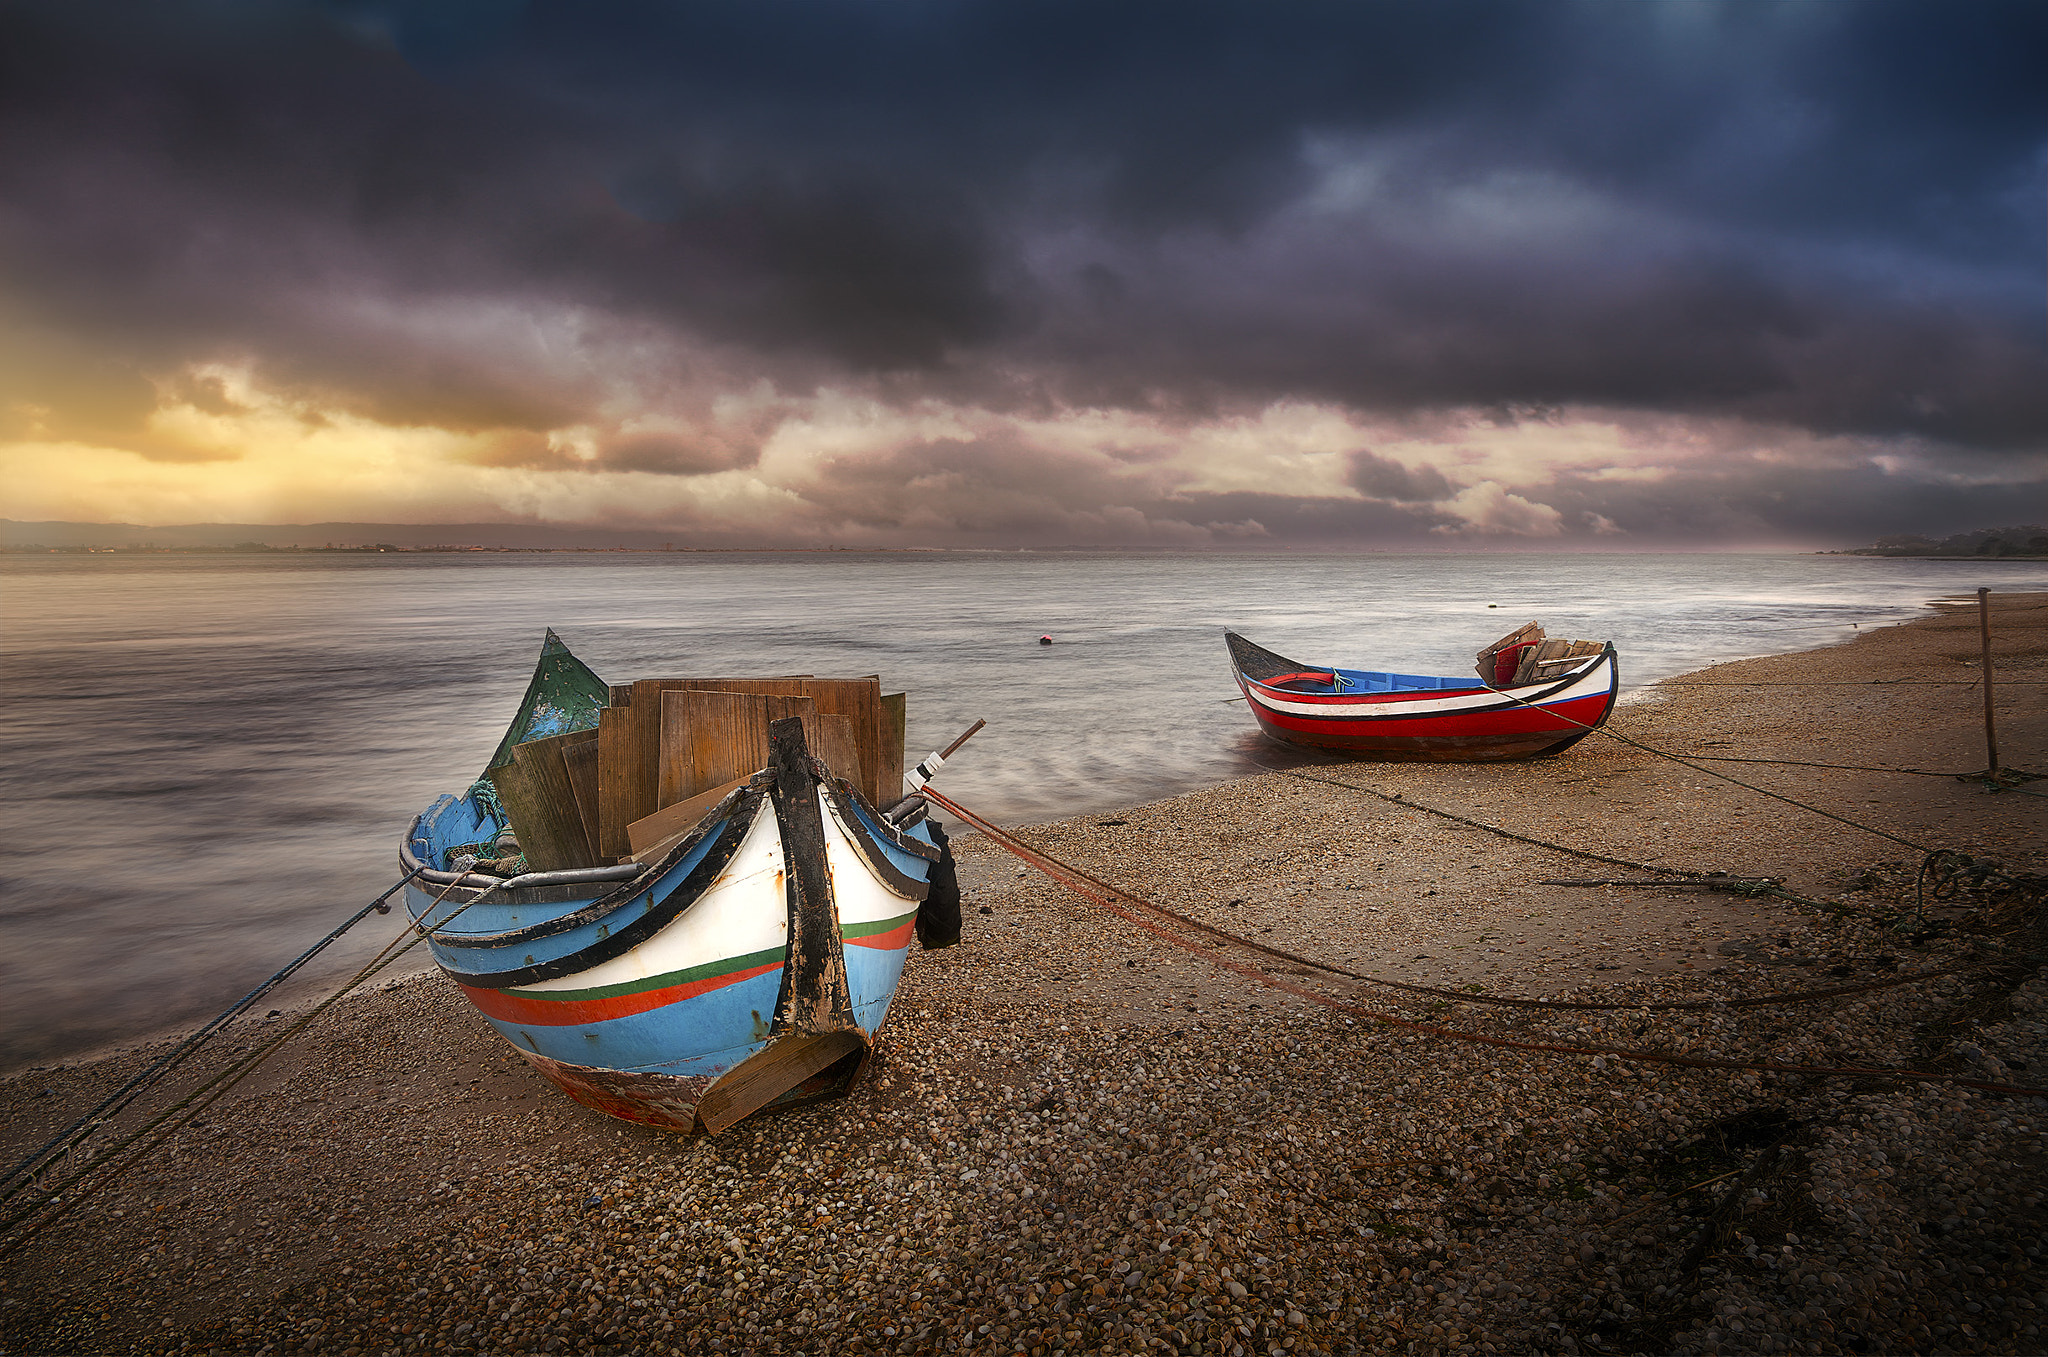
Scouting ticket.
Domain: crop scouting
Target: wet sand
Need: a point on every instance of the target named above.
(1078, 1137)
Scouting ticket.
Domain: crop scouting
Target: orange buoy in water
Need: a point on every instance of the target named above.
(1045, 640)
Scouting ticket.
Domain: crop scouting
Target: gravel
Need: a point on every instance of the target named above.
(1078, 1138)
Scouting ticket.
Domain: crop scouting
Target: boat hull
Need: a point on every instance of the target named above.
(765, 946)
(1454, 722)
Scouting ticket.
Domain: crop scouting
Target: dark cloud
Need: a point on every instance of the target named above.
(674, 455)
(507, 215)
(1379, 478)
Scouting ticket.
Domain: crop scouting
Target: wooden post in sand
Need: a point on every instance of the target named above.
(1984, 635)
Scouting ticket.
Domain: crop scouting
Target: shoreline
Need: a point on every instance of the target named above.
(1043, 1122)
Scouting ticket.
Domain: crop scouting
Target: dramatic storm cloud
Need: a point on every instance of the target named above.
(895, 273)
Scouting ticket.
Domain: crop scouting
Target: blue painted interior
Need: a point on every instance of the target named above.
(449, 823)
(1374, 681)
(910, 864)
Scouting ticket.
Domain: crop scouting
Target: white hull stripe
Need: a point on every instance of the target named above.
(1595, 680)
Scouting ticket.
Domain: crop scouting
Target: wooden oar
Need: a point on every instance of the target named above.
(924, 771)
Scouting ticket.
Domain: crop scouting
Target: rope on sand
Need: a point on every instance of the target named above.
(1127, 906)
(53, 1203)
(23, 1173)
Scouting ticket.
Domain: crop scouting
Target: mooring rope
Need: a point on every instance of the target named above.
(1108, 898)
(68, 1194)
(1503, 1000)
(24, 1172)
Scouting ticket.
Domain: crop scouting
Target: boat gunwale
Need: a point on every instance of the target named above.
(1519, 695)
(733, 818)
(737, 809)
(892, 877)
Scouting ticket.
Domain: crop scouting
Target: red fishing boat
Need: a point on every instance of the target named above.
(1534, 696)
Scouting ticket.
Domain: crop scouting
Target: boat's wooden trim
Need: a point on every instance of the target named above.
(857, 833)
(843, 792)
(777, 1069)
(815, 995)
(814, 1029)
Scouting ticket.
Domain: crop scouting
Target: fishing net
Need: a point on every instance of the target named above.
(563, 696)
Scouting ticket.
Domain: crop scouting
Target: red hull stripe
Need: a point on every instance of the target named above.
(896, 937)
(1580, 711)
(529, 1006)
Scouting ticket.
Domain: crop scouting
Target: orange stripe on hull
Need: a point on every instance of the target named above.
(889, 941)
(511, 1006)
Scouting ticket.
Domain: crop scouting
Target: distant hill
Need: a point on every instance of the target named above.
(2031, 540)
(15, 536)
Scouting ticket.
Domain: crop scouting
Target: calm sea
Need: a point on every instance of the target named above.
(206, 761)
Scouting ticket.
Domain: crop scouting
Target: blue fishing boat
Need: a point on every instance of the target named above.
(746, 962)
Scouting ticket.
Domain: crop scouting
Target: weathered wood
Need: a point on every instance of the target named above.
(861, 700)
(1526, 671)
(773, 1071)
(709, 738)
(618, 780)
(535, 791)
(814, 1027)
(648, 724)
(1984, 638)
(658, 833)
(815, 995)
(780, 706)
(1529, 633)
(579, 758)
(832, 743)
(889, 762)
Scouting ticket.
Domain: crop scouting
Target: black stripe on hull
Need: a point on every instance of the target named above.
(662, 913)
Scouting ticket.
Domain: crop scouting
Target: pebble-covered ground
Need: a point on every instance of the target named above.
(1079, 1138)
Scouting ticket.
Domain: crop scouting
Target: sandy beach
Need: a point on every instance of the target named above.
(1077, 1137)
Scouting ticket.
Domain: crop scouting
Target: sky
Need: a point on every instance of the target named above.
(1464, 274)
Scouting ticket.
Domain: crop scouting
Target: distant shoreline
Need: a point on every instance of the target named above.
(454, 549)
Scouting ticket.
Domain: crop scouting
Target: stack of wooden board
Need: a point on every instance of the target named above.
(666, 750)
(1526, 655)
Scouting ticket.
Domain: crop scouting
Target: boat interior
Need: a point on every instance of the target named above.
(1325, 681)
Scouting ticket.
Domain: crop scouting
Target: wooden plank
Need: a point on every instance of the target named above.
(618, 782)
(861, 700)
(658, 833)
(772, 1071)
(889, 763)
(832, 743)
(781, 706)
(1528, 631)
(579, 759)
(647, 694)
(709, 738)
(814, 996)
(541, 804)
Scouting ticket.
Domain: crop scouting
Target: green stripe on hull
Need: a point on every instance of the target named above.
(709, 970)
(869, 930)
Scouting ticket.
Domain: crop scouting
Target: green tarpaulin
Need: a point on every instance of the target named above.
(563, 696)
